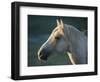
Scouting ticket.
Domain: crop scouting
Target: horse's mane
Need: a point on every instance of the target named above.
(77, 39)
(74, 32)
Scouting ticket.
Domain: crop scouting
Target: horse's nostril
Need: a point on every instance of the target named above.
(41, 54)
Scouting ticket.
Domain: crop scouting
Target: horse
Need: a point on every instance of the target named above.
(65, 38)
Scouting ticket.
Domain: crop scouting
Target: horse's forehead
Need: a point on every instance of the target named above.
(57, 31)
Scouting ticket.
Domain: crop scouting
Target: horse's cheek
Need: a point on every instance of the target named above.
(60, 47)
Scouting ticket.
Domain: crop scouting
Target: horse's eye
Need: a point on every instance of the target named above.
(57, 37)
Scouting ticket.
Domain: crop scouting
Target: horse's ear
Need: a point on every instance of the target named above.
(62, 24)
(58, 22)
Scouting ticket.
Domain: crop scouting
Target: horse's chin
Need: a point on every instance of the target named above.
(43, 59)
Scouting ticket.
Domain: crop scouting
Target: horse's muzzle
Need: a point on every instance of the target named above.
(43, 55)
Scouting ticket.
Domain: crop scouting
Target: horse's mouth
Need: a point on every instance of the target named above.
(41, 57)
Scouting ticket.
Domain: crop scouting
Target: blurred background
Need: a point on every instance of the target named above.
(39, 29)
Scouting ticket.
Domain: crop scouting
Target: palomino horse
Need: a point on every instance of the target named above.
(65, 38)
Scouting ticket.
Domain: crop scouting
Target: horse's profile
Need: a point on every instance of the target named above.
(65, 38)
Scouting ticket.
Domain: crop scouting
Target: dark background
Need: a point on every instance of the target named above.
(39, 29)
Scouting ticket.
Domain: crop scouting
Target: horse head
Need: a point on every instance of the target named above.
(55, 42)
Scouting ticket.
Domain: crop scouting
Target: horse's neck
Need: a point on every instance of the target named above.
(73, 34)
(78, 42)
